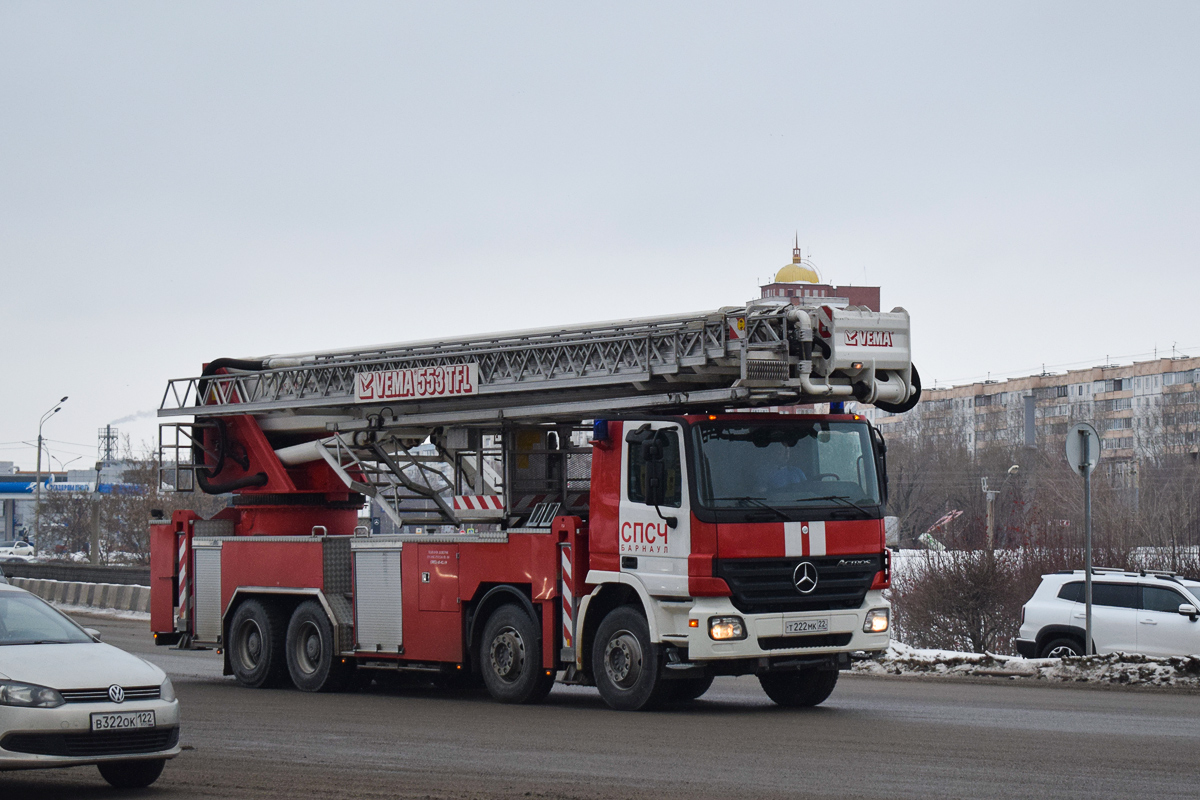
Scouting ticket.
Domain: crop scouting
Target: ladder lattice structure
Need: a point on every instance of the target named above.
(686, 356)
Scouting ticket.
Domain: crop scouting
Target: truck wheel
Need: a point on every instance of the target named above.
(689, 689)
(1062, 648)
(256, 637)
(806, 687)
(626, 665)
(131, 774)
(312, 652)
(511, 658)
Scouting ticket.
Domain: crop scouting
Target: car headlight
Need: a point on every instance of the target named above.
(29, 695)
(720, 628)
(876, 621)
(166, 691)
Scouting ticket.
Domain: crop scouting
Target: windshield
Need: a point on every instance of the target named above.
(25, 619)
(785, 464)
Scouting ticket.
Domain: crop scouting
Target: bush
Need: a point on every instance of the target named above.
(960, 600)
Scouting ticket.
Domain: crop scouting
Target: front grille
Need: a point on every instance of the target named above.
(84, 745)
(795, 642)
(101, 695)
(764, 585)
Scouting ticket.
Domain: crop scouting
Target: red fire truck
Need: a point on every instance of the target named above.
(618, 504)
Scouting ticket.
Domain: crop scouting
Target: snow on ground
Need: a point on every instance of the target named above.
(1114, 668)
(111, 613)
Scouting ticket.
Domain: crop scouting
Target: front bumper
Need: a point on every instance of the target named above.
(765, 636)
(33, 738)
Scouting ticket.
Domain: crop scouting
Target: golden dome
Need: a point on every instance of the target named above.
(797, 273)
(801, 270)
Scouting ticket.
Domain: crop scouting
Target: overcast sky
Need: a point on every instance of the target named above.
(180, 182)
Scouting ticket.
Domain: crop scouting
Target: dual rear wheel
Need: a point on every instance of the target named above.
(266, 648)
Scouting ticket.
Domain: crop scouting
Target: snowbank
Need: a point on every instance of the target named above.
(1115, 668)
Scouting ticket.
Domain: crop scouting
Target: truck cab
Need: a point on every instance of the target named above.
(751, 540)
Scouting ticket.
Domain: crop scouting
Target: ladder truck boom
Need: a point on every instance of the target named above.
(615, 504)
(762, 354)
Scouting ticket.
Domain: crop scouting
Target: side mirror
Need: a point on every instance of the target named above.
(1188, 610)
(92, 632)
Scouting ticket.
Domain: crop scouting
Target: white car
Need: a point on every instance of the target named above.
(1153, 613)
(17, 550)
(66, 699)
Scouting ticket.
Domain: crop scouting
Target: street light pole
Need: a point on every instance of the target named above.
(991, 504)
(37, 501)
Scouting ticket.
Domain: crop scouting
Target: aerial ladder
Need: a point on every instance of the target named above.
(366, 412)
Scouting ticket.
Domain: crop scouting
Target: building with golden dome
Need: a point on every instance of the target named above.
(801, 281)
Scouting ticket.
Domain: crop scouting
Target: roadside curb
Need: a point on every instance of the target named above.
(121, 597)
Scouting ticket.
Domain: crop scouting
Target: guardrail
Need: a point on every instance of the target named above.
(119, 597)
(83, 573)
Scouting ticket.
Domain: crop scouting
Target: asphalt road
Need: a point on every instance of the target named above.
(875, 737)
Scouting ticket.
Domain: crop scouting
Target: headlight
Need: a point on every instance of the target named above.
(726, 628)
(167, 691)
(877, 621)
(28, 695)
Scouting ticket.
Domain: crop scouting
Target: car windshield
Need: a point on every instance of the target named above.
(785, 464)
(25, 619)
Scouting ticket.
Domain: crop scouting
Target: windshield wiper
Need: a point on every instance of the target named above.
(760, 503)
(836, 498)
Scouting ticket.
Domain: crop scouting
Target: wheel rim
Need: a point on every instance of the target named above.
(623, 659)
(250, 644)
(309, 648)
(507, 655)
(1062, 651)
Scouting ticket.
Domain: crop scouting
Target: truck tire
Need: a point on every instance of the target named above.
(626, 665)
(510, 657)
(806, 687)
(131, 774)
(688, 689)
(256, 645)
(312, 652)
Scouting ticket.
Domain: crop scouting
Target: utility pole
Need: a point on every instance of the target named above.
(94, 533)
(991, 514)
(37, 500)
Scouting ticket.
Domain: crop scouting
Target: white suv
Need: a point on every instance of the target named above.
(1155, 613)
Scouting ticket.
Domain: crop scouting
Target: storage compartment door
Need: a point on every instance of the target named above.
(377, 596)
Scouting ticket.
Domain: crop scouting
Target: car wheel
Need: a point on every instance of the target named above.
(626, 665)
(256, 645)
(689, 689)
(131, 774)
(312, 653)
(806, 687)
(1062, 648)
(511, 658)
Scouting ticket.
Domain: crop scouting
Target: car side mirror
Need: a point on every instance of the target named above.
(1188, 610)
(92, 632)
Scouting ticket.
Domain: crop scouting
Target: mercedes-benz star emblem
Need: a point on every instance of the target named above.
(116, 694)
(805, 577)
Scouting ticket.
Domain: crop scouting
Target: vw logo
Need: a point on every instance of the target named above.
(805, 577)
(116, 694)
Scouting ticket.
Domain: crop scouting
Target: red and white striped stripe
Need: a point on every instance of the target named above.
(568, 599)
(804, 538)
(183, 583)
(478, 502)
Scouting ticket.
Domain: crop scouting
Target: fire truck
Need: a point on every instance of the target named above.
(622, 504)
